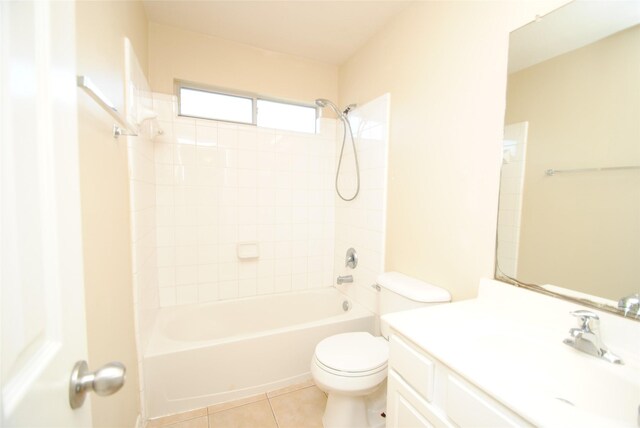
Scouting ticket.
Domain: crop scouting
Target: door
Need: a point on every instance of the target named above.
(42, 302)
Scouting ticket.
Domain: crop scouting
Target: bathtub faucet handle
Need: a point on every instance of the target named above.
(351, 260)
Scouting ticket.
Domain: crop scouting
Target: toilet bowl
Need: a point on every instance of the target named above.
(349, 367)
(352, 367)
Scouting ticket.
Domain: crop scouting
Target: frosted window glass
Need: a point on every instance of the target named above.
(210, 105)
(291, 117)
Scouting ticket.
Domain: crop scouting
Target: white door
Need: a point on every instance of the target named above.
(42, 301)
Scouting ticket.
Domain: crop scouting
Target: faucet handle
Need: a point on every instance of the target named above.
(587, 320)
(351, 260)
(630, 304)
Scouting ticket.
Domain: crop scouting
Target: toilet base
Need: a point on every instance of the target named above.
(345, 411)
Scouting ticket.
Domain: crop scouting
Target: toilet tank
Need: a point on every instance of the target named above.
(399, 292)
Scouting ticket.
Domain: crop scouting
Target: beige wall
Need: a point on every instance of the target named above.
(179, 54)
(582, 231)
(101, 28)
(444, 64)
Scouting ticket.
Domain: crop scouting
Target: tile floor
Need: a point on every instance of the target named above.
(297, 406)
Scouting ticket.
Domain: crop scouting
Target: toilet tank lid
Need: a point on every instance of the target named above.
(412, 288)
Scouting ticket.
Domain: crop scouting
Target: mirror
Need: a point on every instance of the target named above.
(569, 214)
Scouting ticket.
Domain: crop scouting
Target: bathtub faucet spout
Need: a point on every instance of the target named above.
(345, 279)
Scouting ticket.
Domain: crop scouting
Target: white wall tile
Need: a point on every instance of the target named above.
(208, 234)
(186, 275)
(228, 271)
(228, 289)
(165, 236)
(299, 282)
(186, 294)
(165, 256)
(265, 285)
(184, 154)
(164, 152)
(282, 283)
(247, 269)
(184, 131)
(208, 273)
(218, 184)
(208, 292)
(186, 235)
(186, 255)
(247, 232)
(206, 138)
(164, 108)
(167, 297)
(248, 178)
(227, 138)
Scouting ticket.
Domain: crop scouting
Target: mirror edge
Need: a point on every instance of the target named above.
(499, 276)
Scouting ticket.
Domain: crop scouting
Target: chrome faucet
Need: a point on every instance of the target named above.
(586, 337)
(345, 279)
(630, 305)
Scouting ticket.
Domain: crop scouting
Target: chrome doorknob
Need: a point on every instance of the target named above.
(107, 380)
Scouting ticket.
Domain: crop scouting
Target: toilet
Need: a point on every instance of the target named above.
(352, 367)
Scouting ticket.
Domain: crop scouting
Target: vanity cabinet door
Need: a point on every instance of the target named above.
(406, 409)
(470, 407)
(413, 366)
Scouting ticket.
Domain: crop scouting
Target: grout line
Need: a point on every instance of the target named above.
(273, 412)
(168, 425)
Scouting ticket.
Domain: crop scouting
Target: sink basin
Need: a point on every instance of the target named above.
(585, 390)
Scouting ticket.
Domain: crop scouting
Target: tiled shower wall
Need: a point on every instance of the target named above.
(361, 223)
(142, 201)
(219, 185)
(511, 190)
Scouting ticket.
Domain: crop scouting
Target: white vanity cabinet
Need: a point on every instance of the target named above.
(423, 392)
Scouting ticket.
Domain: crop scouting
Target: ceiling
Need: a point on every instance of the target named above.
(325, 31)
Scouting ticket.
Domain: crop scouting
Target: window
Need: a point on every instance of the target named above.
(245, 108)
(211, 105)
(292, 117)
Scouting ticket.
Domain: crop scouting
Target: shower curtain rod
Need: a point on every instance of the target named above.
(123, 127)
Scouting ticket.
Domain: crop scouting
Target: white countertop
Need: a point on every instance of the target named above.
(508, 342)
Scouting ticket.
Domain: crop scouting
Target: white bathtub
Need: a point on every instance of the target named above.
(200, 355)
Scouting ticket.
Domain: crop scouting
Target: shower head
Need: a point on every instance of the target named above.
(321, 102)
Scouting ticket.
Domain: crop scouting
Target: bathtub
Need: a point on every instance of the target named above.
(205, 354)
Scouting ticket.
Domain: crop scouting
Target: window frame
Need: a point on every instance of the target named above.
(254, 97)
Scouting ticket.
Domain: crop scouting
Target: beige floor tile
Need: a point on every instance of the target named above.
(299, 409)
(237, 403)
(290, 388)
(254, 415)
(201, 422)
(179, 417)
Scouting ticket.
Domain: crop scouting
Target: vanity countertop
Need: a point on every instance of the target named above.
(508, 342)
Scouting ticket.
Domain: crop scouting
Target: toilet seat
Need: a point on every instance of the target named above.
(349, 374)
(352, 354)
